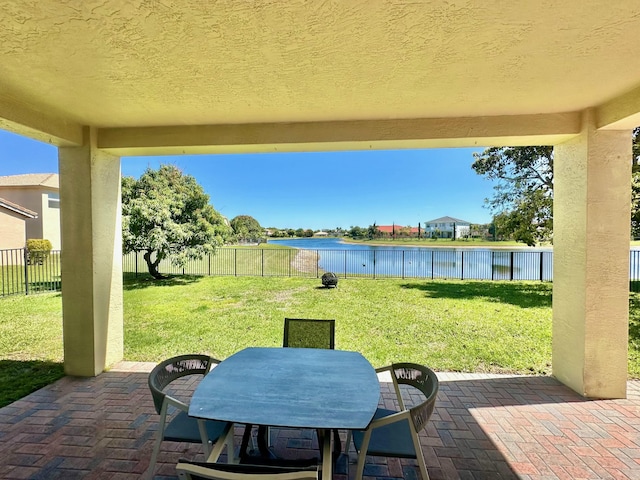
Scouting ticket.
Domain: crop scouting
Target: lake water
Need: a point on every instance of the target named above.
(427, 262)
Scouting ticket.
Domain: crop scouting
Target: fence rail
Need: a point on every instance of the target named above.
(24, 275)
(20, 275)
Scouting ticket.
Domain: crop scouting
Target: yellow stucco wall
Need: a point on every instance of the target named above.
(91, 258)
(591, 260)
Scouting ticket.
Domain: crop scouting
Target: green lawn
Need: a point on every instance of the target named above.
(469, 326)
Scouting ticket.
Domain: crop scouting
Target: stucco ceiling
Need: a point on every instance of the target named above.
(127, 63)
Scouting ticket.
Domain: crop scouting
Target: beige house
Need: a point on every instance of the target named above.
(13, 220)
(37, 193)
(145, 78)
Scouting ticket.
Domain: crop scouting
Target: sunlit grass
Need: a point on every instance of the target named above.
(469, 326)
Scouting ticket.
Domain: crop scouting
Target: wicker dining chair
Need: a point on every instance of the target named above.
(395, 433)
(309, 333)
(217, 471)
(301, 333)
(175, 423)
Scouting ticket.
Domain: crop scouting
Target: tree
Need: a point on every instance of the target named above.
(167, 215)
(246, 227)
(523, 200)
(357, 232)
(373, 231)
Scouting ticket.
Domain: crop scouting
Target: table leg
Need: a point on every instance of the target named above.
(327, 457)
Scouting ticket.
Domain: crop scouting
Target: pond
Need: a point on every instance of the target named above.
(427, 262)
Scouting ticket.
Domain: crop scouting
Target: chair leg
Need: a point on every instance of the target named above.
(362, 455)
(154, 456)
(156, 447)
(420, 456)
(223, 441)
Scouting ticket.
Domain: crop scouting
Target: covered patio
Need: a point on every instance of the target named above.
(484, 426)
(105, 80)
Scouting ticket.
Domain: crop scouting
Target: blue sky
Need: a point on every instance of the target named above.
(317, 190)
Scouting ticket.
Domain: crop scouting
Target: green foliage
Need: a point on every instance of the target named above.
(39, 244)
(373, 231)
(523, 197)
(246, 227)
(166, 214)
(39, 250)
(357, 232)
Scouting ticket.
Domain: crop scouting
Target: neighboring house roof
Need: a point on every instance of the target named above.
(396, 228)
(25, 212)
(448, 220)
(31, 180)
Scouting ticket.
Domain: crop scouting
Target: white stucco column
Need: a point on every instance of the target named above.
(91, 257)
(592, 198)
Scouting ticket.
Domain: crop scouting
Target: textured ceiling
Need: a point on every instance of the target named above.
(124, 63)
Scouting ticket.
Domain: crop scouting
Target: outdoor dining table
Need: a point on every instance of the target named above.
(291, 387)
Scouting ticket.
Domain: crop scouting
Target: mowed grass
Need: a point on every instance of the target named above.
(448, 325)
(469, 326)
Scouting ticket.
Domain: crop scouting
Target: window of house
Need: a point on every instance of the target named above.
(54, 200)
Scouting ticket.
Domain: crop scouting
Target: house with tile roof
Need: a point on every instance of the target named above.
(33, 199)
(398, 230)
(447, 227)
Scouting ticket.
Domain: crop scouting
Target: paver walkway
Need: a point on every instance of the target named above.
(484, 427)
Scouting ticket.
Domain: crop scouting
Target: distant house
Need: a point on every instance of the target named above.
(320, 233)
(447, 227)
(398, 230)
(13, 226)
(38, 195)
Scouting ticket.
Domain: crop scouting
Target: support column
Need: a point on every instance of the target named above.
(592, 208)
(91, 257)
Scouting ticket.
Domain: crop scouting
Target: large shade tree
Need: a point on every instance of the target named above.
(166, 214)
(245, 227)
(522, 203)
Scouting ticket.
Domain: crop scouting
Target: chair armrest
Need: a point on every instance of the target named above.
(176, 403)
(394, 417)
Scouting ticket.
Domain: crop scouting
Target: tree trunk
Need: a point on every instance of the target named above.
(153, 265)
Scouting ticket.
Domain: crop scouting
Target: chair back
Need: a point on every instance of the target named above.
(173, 368)
(426, 381)
(226, 471)
(309, 333)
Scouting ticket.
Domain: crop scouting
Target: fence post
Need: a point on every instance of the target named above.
(403, 264)
(26, 271)
(235, 262)
(345, 263)
(136, 256)
(209, 257)
(462, 272)
(262, 260)
(290, 262)
(432, 266)
(492, 263)
(541, 266)
(374, 264)
(317, 261)
(511, 267)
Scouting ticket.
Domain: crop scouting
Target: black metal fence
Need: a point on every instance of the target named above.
(21, 275)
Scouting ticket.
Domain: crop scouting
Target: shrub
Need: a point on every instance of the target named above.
(38, 250)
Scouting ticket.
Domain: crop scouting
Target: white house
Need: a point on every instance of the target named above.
(447, 227)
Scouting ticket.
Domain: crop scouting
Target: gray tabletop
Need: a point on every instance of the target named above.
(292, 387)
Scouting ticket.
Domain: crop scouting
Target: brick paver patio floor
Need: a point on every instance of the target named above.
(484, 427)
